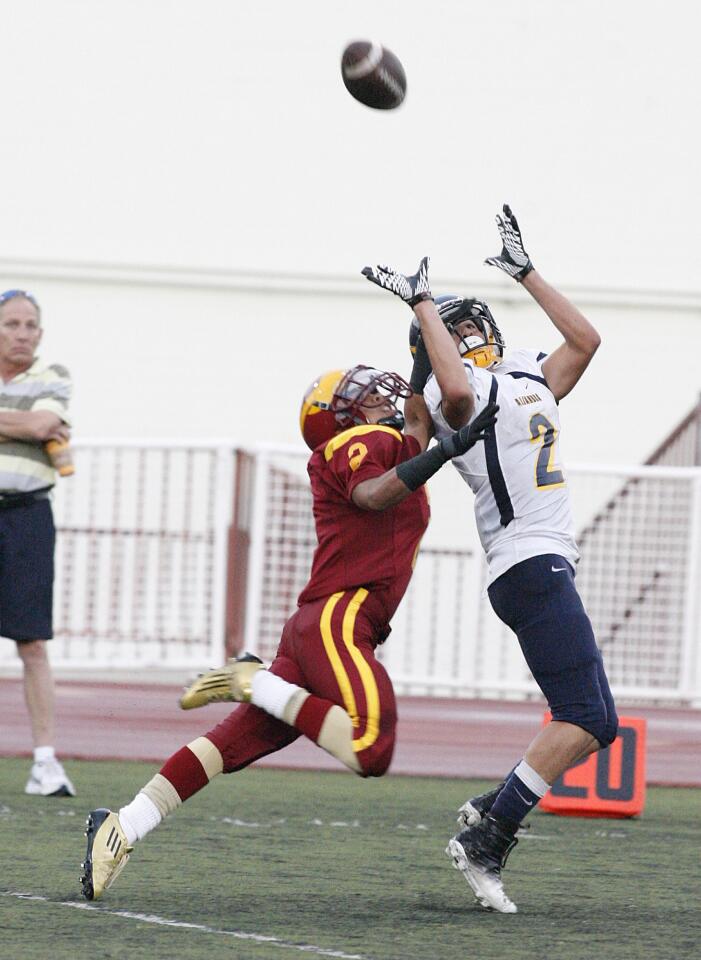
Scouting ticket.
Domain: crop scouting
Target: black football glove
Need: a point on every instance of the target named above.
(411, 289)
(464, 438)
(513, 259)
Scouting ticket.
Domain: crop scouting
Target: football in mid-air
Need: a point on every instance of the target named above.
(373, 75)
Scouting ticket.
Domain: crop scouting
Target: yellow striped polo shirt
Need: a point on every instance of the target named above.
(25, 464)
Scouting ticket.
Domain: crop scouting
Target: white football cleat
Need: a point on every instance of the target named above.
(472, 810)
(486, 883)
(479, 853)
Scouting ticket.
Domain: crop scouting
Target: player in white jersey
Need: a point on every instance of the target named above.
(525, 524)
(522, 505)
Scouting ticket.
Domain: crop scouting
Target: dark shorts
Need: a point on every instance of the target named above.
(27, 539)
(538, 599)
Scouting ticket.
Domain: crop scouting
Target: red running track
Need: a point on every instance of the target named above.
(436, 737)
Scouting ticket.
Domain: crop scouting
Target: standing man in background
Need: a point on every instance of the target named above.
(33, 411)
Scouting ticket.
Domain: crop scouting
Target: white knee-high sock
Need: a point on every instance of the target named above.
(272, 693)
(139, 817)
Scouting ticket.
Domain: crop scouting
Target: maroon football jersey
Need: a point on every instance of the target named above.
(363, 548)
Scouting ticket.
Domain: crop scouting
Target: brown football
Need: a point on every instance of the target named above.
(373, 75)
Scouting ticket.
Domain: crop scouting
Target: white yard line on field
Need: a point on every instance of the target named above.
(183, 924)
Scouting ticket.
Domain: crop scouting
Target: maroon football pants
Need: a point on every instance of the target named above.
(328, 648)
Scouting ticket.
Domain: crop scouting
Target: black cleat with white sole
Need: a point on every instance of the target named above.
(474, 809)
(479, 853)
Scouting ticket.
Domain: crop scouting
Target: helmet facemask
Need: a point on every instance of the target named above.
(333, 402)
(357, 386)
(483, 350)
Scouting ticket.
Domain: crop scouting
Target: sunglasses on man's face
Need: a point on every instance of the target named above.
(11, 294)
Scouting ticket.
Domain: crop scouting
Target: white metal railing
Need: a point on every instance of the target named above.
(142, 572)
(640, 578)
(141, 555)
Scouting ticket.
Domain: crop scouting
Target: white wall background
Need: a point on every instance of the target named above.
(190, 192)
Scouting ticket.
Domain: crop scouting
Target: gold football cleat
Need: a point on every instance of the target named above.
(229, 683)
(107, 854)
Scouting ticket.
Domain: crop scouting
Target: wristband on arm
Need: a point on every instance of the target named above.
(415, 472)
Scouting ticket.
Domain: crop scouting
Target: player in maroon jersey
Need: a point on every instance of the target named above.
(367, 473)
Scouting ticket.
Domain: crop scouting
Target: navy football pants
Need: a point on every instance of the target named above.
(538, 599)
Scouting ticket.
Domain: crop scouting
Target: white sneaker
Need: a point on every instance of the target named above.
(48, 779)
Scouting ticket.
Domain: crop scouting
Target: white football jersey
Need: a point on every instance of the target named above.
(522, 504)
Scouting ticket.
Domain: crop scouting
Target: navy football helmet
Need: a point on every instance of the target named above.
(484, 350)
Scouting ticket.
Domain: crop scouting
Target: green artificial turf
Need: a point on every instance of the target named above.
(343, 867)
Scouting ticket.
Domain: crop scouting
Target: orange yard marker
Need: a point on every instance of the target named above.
(610, 783)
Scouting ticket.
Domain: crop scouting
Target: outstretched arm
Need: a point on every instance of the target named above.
(567, 363)
(458, 398)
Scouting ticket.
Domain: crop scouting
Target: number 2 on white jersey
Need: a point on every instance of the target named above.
(543, 432)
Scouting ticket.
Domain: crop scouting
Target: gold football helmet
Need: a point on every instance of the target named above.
(333, 402)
